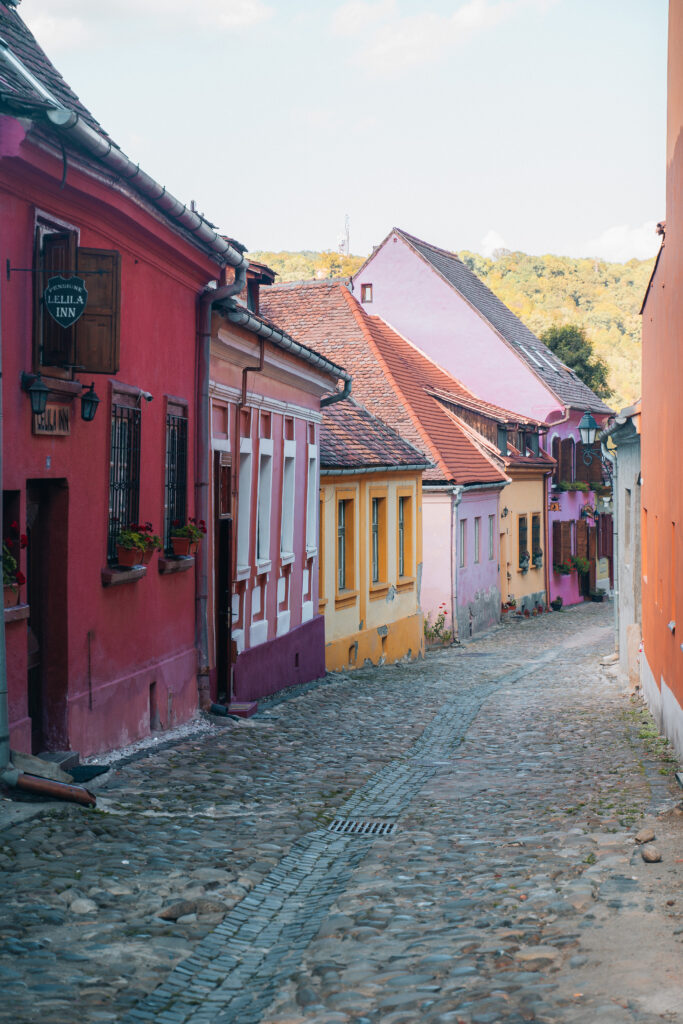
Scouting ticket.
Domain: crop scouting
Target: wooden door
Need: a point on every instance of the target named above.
(223, 573)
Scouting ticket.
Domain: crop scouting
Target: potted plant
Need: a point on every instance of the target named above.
(563, 568)
(537, 558)
(185, 538)
(152, 541)
(12, 576)
(556, 604)
(524, 559)
(131, 546)
(581, 564)
(597, 595)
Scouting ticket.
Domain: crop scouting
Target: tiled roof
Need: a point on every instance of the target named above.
(390, 376)
(352, 438)
(513, 459)
(15, 93)
(568, 387)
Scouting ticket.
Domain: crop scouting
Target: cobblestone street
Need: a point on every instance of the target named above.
(511, 777)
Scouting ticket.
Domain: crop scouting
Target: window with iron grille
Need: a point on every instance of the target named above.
(124, 473)
(341, 545)
(375, 540)
(402, 536)
(175, 473)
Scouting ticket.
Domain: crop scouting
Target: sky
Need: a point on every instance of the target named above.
(532, 125)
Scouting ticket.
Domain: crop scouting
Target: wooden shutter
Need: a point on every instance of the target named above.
(595, 468)
(567, 460)
(556, 456)
(557, 542)
(582, 538)
(97, 331)
(582, 470)
(55, 254)
(566, 542)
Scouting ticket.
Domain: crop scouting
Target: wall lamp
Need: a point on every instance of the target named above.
(89, 402)
(36, 390)
(588, 430)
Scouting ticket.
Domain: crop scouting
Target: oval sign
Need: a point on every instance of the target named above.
(65, 299)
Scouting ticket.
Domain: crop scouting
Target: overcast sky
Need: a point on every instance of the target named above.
(536, 125)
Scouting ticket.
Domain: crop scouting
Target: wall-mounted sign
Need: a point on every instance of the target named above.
(602, 569)
(55, 421)
(553, 506)
(65, 299)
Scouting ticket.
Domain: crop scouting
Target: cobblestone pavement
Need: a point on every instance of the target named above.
(510, 776)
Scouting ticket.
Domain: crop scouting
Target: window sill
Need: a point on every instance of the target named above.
(378, 590)
(262, 567)
(311, 552)
(242, 572)
(169, 564)
(112, 575)
(322, 604)
(17, 612)
(405, 583)
(344, 598)
(286, 557)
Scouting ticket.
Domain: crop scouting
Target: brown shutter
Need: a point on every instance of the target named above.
(556, 455)
(582, 470)
(582, 538)
(557, 542)
(97, 331)
(595, 468)
(566, 542)
(55, 255)
(567, 460)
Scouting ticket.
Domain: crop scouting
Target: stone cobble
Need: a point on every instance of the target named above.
(515, 778)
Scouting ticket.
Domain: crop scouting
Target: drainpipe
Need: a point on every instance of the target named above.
(207, 300)
(457, 498)
(253, 369)
(546, 548)
(4, 711)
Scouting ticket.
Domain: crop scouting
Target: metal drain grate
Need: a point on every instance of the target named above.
(354, 827)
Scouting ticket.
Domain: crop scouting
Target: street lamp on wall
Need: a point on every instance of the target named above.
(89, 402)
(588, 430)
(36, 390)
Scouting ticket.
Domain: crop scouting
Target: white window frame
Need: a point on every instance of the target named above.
(312, 489)
(263, 504)
(492, 538)
(477, 537)
(288, 493)
(244, 508)
(462, 541)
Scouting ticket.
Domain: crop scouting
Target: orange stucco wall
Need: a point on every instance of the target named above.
(662, 431)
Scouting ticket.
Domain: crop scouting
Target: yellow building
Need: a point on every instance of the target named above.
(370, 550)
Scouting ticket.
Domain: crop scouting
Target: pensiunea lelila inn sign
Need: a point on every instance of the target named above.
(65, 299)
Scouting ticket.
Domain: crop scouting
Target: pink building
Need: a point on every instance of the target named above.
(430, 408)
(266, 396)
(431, 297)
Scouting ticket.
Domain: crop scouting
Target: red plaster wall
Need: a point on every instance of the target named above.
(141, 632)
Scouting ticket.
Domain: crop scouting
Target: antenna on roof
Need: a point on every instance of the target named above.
(343, 245)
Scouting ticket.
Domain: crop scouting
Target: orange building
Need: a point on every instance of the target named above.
(662, 429)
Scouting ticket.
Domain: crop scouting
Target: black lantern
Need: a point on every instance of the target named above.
(588, 428)
(37, 392)
(89, 402)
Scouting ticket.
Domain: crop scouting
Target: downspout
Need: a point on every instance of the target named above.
(207, 300)
(546, 548)
(457, 498)
(4, 710)
(253, 369)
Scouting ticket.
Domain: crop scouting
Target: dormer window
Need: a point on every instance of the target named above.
(366, 293)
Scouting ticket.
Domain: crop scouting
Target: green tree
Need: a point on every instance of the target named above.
(570, 343)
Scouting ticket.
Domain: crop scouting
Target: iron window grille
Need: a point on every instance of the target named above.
(124, 474)
(402, 536)
(175, 475)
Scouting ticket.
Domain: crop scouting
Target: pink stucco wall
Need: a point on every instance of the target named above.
(437, 563)
(478, 582)
(412, 297)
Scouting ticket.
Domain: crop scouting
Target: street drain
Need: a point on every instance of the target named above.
(353, 827)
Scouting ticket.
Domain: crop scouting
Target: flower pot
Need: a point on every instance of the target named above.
(146, 556)
(11, 595)
(181, 546)
(194, 546)
(128, 557)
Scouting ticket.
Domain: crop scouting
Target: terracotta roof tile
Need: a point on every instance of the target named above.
(352, 438)
(390, 376)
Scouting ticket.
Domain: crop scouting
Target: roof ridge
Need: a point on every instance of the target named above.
(430, 245)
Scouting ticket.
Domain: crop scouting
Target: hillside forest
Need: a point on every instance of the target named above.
(544, 291)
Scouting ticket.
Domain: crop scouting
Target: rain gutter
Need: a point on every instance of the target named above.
(74, 128)
(373, 469)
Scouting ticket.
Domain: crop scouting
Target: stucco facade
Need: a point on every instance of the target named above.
(627, 485)
(521, 515)
(662, 427)
(477, 575)
(365, 621)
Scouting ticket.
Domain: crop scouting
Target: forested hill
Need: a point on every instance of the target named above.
(604, 298)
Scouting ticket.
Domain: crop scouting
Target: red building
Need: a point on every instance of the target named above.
(661, 425)
(97, 656)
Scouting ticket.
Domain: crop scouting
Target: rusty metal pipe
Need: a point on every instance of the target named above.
(46, 787)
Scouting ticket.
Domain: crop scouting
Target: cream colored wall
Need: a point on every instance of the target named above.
(521, 497)
(372, 607)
